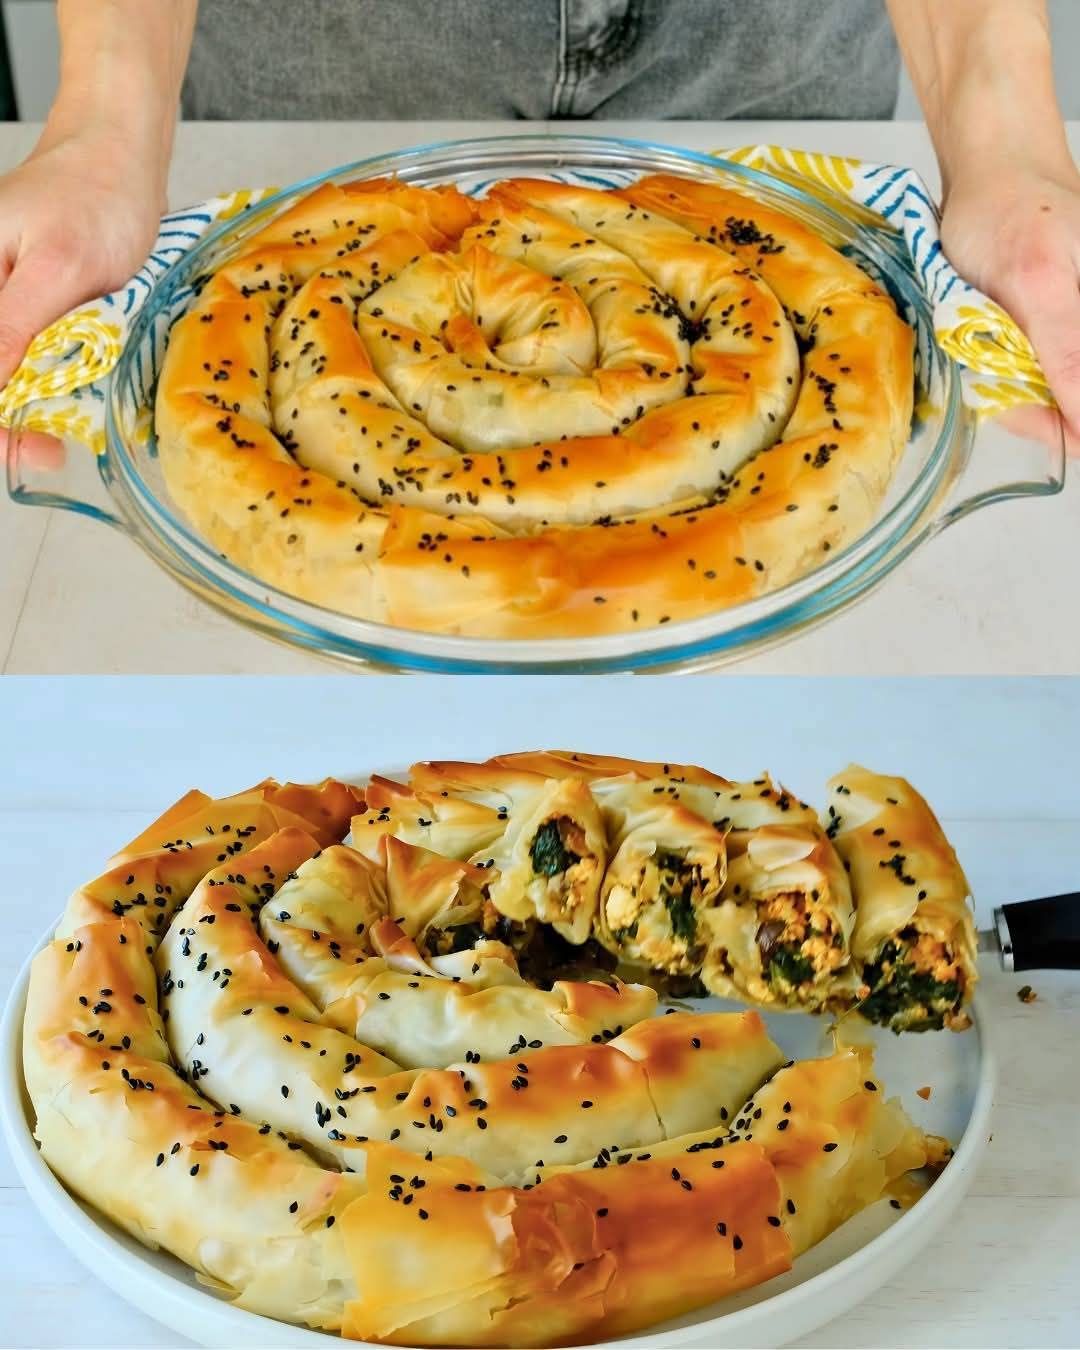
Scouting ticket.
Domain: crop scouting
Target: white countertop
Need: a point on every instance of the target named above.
(997, 759)
(74, 596)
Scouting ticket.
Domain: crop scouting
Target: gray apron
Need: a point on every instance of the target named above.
(541, 59)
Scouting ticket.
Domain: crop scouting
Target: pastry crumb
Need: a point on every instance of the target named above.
(1026, 994)
(924, 1093)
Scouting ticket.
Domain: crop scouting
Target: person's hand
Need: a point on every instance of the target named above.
(1014, 231)
(76, 220)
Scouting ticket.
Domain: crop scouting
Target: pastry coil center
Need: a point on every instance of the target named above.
(555, 367)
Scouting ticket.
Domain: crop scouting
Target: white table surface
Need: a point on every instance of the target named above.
(82, 769)
(76, 597)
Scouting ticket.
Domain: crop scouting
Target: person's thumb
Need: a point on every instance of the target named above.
(38, 290)
(1049, 312)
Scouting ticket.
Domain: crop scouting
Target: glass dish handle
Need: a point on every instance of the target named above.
(65, 472)
(1018, 453)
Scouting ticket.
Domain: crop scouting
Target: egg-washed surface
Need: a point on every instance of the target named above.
(551, 411)
(251, 1044)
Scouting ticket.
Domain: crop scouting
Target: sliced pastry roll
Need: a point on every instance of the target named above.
(666, 872)
(749, 805)
(549, 861)
(914, 929)
(780, 935)
(498, 784)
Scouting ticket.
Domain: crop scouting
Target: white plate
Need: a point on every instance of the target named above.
(828, 1280)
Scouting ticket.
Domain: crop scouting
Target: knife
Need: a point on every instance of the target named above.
(1036, 934)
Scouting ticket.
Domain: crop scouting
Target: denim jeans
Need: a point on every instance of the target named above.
(541, 59)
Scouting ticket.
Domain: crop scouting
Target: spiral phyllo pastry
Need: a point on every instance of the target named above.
(554, 410)
(240, 1046)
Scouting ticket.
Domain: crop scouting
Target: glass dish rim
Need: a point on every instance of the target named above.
(724, 631)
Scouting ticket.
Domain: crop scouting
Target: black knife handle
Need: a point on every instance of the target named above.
(1041, 934)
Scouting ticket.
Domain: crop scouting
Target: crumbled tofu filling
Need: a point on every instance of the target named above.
(797, 938)
(654, 916)
(930, 956)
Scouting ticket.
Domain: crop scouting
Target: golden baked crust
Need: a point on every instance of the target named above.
(240, 1047)
(554, 411)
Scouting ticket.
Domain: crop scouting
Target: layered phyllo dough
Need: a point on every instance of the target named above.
(914, 934)
(242, 1048)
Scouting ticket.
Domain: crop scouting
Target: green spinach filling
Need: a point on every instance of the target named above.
(900, 993)
(677, 891)
(789, 964)
(549, 854)
(465, 936)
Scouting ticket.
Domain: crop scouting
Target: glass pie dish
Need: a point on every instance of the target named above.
(938, 480)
